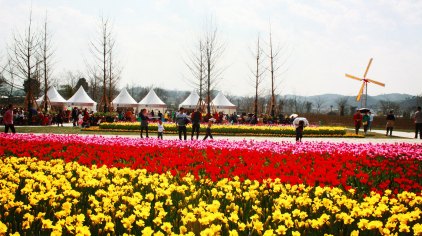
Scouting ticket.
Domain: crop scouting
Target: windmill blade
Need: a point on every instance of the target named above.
(367, 68)
(360, 92)
(353, 77)
(376, 82)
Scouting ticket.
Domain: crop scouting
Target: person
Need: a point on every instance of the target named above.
(144, 122)
(160, 129)
(86, 118)
(59, 118)
(300, 123)
(196, 118)
(75, 116)
(390, 123)
(371, 119)
(160, 116)
(365, 122)
(299, 131)
(357, 118)
(80, 119)
(208, 131)
(418, 123)
(128, 115)
(254, 120)
(166, 116)
(181, 121)
(8, 120)
(120, 115)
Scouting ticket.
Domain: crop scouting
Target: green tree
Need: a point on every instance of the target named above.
(32, 86)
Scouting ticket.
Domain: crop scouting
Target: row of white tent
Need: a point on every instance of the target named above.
(151, 101)
(220, 103)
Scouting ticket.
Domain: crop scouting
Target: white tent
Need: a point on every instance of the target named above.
(81, 99)
(191, 101)
(152, 102)
(55, 98)
(124, 100)
(222, 104)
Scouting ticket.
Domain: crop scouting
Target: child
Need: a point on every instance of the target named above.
(208, 131)
(299, 131)
(160, 129)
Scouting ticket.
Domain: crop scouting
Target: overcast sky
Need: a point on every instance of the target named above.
(322, 40)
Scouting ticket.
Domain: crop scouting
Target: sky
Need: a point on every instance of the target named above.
(319, 41)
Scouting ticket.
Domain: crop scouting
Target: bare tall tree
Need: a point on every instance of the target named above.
(275, 65)
(101, 49)
(23, 55)
(46, 53)
(272, 71)
(258, 75)
(94, 76)
(196, 65)
(114, 69)
(213, 52)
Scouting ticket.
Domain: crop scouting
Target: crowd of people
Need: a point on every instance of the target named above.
(11, 116)
(365, 118)
(217, 117)
(182, 118)
(79, 117)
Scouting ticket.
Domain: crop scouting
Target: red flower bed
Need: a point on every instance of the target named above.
(366, 167)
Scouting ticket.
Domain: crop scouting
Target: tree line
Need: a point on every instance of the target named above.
(28, 67)
(30, 59)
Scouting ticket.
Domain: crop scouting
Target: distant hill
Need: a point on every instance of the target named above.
(332, 99)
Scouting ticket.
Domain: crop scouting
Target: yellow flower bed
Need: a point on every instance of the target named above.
(346, 135)
(68, 198)
(245, 130)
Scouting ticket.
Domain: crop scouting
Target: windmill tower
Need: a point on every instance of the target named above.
(364, 87)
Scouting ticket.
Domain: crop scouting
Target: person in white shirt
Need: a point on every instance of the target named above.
(418, 122)
(160, 129)
(371, 119)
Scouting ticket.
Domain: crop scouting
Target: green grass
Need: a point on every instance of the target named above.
(62, 130)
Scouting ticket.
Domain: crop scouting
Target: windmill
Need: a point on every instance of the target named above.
(364, 86)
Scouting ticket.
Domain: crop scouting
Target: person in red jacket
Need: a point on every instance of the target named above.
(8, 120)
(357, 118)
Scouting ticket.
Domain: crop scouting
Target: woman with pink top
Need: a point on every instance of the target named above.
(8, 120)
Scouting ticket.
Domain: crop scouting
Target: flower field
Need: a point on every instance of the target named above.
(93, 185)
(244, 130)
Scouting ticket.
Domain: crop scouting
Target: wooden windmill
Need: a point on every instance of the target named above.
(364, 86)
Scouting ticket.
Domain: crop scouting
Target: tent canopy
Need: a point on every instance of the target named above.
(81, 98)
(191, 101)
(151, 100)
(124, 100)
(221, 103)
(54, 97)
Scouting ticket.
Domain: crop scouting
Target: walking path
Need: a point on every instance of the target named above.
(397, 133)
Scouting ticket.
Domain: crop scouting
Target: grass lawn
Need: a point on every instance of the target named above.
(61, 130)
